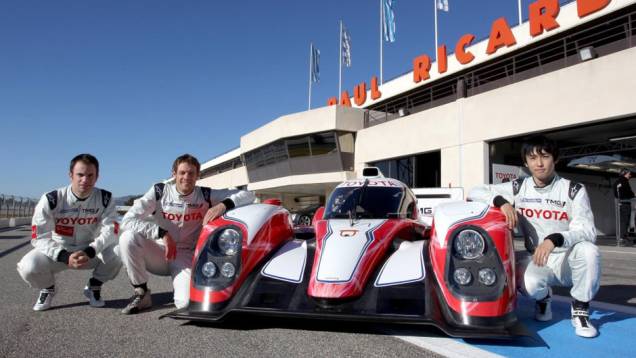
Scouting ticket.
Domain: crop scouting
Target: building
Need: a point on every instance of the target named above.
(568, 73)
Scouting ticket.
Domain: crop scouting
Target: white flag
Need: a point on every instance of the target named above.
(346, 47)
(442, 5)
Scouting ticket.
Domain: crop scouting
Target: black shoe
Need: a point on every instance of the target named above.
(543, 308)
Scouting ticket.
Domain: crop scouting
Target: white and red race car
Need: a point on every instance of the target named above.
(371, 259)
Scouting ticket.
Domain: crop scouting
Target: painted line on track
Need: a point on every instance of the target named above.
(445, 346)
(452, 347)
(619, 252)
(600, 305)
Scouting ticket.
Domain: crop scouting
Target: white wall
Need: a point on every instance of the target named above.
(229, 179)
(315, 120)
(593, 91)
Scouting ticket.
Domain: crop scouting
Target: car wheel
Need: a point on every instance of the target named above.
(304, 220)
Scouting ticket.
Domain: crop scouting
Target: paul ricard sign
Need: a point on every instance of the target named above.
(545, 17)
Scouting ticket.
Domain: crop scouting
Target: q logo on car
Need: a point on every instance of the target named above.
(348, 233)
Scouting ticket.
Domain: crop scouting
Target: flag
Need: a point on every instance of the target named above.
(346, 47)
(388, 21)
(442, 5)
(315, 64)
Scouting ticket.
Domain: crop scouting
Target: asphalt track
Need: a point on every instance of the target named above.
(72, 328)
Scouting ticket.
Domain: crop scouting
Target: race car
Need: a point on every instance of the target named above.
(369, 258)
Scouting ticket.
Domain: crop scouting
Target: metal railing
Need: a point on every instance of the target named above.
(12, 206)
(610, 34)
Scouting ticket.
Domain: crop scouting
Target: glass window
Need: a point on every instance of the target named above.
(404, 168)
(364, 202)
(254, 159)
(383, 166)
(322, 143)
(298, 147)
(274, 153)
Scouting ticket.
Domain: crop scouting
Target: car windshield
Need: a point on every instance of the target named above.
(364, 202)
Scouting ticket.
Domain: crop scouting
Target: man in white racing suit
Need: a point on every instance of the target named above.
(161, 229)
(557, 221)
(74, 227)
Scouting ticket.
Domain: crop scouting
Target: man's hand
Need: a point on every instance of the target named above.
(78, 260)
(511, 215)
(540, 256)
(214, 212)
(171, 247)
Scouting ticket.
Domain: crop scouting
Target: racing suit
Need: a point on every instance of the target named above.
(559, 212)
(163, 209)
(62, 224)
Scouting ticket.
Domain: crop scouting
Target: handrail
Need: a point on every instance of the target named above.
(12, 206)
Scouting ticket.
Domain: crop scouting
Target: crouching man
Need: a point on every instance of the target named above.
(161, 229)
(74, 227)
(556, 219)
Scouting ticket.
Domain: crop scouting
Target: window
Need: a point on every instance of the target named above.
(322, 143)
(298, 147)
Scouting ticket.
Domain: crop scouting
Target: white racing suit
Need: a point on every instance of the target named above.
(63, 224)
(164, 209)
(562, 207)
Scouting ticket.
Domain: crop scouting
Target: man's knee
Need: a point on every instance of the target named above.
(533, 286)
(587, 252)
(34, 262)
(128, 241)
(33, 265)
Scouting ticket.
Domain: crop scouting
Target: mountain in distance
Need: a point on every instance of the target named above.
(126, 200)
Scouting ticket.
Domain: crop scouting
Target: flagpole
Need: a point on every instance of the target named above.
(340, 63)
(381, 40)
(311, 58)
(519, 8)
(435, 10)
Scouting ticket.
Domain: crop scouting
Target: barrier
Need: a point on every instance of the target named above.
(12, 206)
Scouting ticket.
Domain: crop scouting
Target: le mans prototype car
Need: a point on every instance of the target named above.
(370, 259)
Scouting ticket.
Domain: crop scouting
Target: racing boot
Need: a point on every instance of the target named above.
(581, 320)
(543, 308)
(93, 291)
(44, 299)
(94, 295)
(138, 302)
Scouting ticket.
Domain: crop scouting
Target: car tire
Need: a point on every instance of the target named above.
(304, 220)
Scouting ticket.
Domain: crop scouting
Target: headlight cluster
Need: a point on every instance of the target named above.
(209, 270)
(218, 264)
(469, 247)
(469, 244)
(229, 241)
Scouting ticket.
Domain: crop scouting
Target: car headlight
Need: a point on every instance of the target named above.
(469, 244)
(487, 276)
(462, 276)
(230, 241)
(208, 269)
(228, 270)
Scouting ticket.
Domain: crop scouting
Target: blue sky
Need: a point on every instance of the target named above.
(137, 83)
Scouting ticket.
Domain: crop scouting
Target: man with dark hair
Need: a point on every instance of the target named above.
(162, 227)
(556, 219)
(623, 192)
(74, 227)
